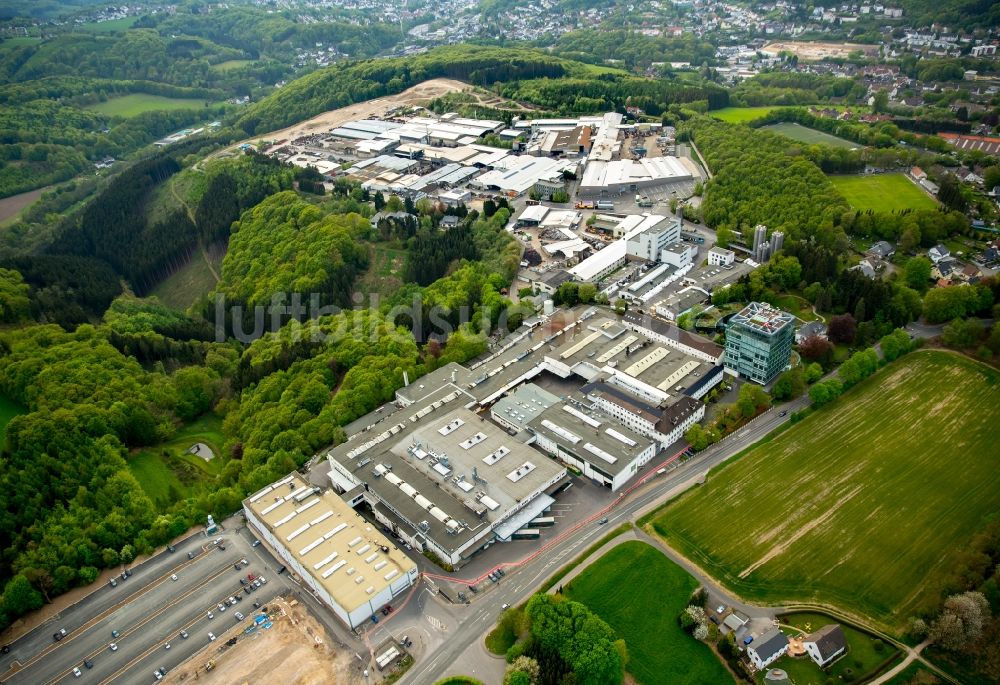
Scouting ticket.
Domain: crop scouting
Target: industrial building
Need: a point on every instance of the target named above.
(515, 411)
(617, 177)
(614, 256)
(720, 256)
(342, 558)
(446, 480)
(471, 455)
(649, 243)
(759, 342)
(594, 442)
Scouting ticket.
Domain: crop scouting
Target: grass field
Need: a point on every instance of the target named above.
(914, 674)
(862, 503)
(134, 104)
(385, 271)
(181, 288)
(882, 193)
(19, 40)
(122, 24)
(8, 410)
(864, 653)
(231, 64)
(623, 587)
(807, 135)
(741, 115)
(166, 472)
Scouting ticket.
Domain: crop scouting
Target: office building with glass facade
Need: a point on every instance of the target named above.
(759, 342)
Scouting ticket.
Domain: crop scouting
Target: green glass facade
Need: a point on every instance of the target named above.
(759, 342)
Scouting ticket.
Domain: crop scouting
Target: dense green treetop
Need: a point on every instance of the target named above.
(286, 245)
(760, 179)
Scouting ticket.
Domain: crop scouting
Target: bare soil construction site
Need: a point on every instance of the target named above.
(420, 94)
(295, 650)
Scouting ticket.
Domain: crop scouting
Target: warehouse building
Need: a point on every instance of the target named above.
(605, 262)
(445, 479)
(593, 442)
(617, 177)
(340, 557)
(515, 411)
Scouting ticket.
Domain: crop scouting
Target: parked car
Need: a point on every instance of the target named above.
(211, 615)
(115, 633)
(170, 548)
(114, 582)
(77, 672)
(263, 580)
(239, 616)
(220, 606)
(58, 635)
(504, 607)
(173, 576)
(113, 647)
(157, 675)
(255, 543)
(184, 635)
(88, 663)
(211, 637)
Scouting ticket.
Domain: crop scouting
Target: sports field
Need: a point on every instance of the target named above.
(862, 504)
(882, 192)
(807, 135)
(639, 593)
(134, 104)
(741, 115)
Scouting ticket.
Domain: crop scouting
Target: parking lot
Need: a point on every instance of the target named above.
(147, 611)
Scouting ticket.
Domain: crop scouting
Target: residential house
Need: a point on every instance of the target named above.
(826, 644)
(938, 252)
(808, 330)
(882, 250)
(866, 267)
(449, 221)
(766, 649)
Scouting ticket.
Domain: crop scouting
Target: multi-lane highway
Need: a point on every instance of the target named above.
(148, 610)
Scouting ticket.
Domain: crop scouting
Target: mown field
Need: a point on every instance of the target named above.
(810, 136)
(882, 192)
(639, 592)
(231, 64)
(741, 115)
(861, 504)
(134, 104)
(167, 473)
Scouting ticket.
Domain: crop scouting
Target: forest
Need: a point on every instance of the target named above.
(759, 178)
(635, 50)
(550, 82)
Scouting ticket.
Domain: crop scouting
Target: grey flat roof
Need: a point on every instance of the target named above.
(439, 454)
(591, 435)
(432, 382)
(524, 404)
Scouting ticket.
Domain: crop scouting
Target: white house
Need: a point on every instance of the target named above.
(938, 252)
(766, 649)
(826, 644)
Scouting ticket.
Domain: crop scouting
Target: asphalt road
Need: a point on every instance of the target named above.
(149, 610)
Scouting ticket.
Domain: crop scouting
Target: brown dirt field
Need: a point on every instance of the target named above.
(809, 50)
(10, 207)
(295, 651)
(420, 94)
